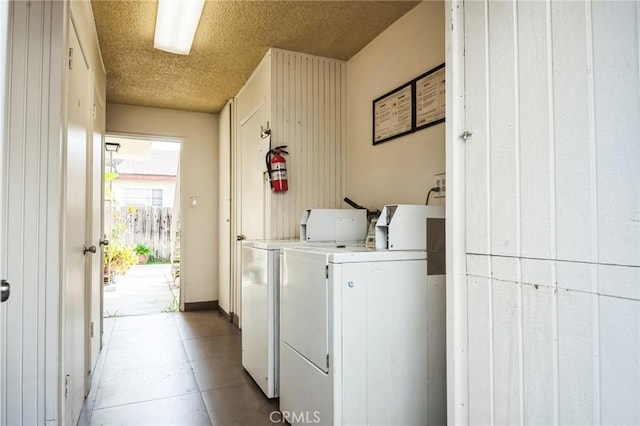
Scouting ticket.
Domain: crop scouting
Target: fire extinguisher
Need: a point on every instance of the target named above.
(277, 169)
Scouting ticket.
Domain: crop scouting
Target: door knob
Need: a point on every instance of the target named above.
(89, 249)
(240, 237)
(104, 242)
(5, 290)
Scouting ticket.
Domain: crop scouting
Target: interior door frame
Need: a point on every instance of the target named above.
(456, 287)
(182, 203)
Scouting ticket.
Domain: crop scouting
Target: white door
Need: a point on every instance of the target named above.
(94, 231)
(552, 206)
(250, 191)
(75, 214)
(4, 41)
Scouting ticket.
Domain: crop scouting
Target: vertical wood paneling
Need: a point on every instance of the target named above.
(577, 402)
(538, 354)
(477, 99)
(5, 14)
(502, 127)
(506, 353)
(480, 351)
(536, 169)
(574, 213)
(15, 169)
(620, 361)
(617, 126)
(619, 281)
(31, 238)
(31, 325)
(308, 97)
(552, 97)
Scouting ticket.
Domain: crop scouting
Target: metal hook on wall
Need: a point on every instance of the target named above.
(264, 133)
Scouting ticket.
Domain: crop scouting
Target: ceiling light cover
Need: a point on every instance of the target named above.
(176, 25)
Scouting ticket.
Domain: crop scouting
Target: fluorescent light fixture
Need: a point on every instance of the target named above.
(176, 25)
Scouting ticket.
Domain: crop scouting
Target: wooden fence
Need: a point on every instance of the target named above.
(147, 225)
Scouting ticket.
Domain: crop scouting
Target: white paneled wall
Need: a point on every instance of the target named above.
(31, 246)
(553, 212)
(308, 108)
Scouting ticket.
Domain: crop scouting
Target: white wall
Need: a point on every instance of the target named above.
(199, 166)
(552, 213)
(400, 170)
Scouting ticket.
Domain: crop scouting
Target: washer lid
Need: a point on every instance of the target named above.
(355, 253)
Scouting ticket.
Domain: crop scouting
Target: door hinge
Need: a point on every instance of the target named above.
(94, 111)
(67, 385)
(326, 271)
(91, 328)
(327, 361)
(466, 135)
(71, 58)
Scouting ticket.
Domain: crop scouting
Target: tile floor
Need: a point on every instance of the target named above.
(173, 369)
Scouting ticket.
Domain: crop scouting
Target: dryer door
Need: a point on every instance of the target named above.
(303, 306)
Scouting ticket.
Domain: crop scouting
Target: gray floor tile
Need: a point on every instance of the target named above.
(174, 369)
(194, 325)
(184, 410)
(240, 405)
(218, 347)
(144, 355)
(218, 373)
(145, 384)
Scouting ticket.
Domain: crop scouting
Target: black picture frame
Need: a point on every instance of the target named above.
(417, 124)
(379, 134)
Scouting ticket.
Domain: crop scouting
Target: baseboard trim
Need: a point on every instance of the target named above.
(201, 306)
(232, 318)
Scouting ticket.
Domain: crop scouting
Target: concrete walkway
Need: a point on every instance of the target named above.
(144, 289)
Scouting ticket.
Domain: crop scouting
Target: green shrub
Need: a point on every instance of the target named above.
(143, 250)
(119, 257)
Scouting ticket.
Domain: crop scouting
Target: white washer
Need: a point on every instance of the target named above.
(362, 337)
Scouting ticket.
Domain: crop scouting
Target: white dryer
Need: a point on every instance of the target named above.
(362, 337)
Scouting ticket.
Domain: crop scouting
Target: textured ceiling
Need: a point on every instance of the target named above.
(231, 39)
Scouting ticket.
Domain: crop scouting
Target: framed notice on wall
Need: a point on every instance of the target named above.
(430, 98)
(393, 114)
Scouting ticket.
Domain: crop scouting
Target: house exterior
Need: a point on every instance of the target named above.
(541, 149)
(147, 182)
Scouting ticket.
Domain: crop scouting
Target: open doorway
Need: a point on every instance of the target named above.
(142, 224)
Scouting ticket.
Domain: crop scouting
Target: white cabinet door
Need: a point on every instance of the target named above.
(303, 307)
